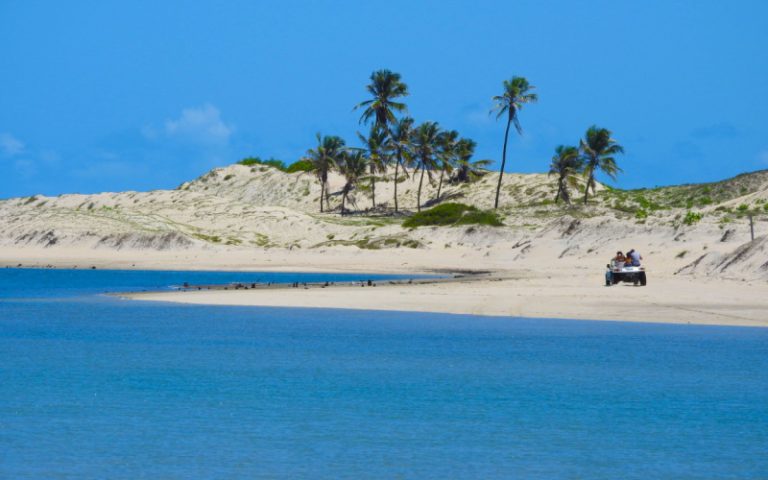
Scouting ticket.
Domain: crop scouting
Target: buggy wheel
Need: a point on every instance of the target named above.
(642, 278)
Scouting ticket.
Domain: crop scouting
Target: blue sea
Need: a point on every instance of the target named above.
(92, 386)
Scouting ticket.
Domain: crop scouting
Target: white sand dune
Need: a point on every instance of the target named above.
(546, 261)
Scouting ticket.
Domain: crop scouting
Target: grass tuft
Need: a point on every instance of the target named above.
(691, 218)
(453, 214)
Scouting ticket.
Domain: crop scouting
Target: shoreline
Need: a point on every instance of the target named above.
(498, 296)
(532, 287)
(217, 261)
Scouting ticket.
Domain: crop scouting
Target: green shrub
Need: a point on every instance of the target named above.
(270, 162)
(691, 218)
(229, 177)
(297, 166)
(743, 207)
(641, 214)
(453, 214)
(480, 217)
(624, 208)
(765, 207)
(300, 166)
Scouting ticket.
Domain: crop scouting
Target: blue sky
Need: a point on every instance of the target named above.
(101, 96)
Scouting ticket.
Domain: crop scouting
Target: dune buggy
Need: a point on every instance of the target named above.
(620, 272)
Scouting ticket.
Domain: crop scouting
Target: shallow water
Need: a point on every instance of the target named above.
(97, 387)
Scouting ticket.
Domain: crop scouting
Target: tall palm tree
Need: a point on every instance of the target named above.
(324, 158)
(446, 155)
(566, 164)
(468, 170)
(599, 149)
(376, 148)
(400, 144)
(425, 143)
(517, 92)
(385, 88)
(352, 165)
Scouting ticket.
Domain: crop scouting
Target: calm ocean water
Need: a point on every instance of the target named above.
(96, 387)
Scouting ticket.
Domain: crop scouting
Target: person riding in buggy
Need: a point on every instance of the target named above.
(625, 269)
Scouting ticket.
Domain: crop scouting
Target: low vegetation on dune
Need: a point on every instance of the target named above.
(302, 165)
(452, 214)
(727, 199)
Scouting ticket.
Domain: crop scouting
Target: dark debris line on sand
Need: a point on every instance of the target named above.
(464, 275)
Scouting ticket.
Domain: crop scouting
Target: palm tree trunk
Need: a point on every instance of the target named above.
(373, 191)
(590, 179)
(418, 196)
(440, 185)
(397, 166)
(343, 200)
(503, 163)
(559, 189)
(322, 194)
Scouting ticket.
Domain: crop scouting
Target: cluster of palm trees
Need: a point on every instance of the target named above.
(596, 151)
(394, 140)
(427, 150)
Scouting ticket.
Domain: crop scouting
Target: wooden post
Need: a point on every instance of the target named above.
(751, 228)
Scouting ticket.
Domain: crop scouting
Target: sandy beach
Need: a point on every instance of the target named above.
(546, 261)
(567, 289)
(664, 301)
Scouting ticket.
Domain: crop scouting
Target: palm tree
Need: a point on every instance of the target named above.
(324, 158)
(352, 166)
(517, 92)
(400, 144)
(468, 170)
(385, 88)
(425, 143)
(598, 149)
(375, 146)
(446, 157)
(566, 163)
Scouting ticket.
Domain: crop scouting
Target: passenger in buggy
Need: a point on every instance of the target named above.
(616, 262)
(634, 257)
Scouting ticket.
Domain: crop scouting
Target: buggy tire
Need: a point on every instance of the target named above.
(642, 278)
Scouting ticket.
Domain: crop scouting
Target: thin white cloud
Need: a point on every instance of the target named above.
(149, 132)
(198, 125)
(10, 145)
(50, 158)
(26, 167)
